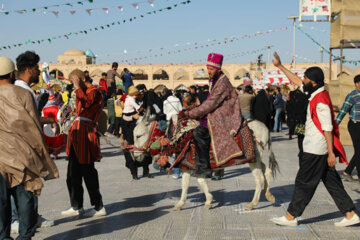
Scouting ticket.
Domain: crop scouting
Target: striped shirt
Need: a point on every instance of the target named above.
(83, 135)
(351, 106)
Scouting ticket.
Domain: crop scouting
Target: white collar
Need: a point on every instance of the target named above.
(316, 92)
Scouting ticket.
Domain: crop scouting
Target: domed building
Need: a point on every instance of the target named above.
(75, 57)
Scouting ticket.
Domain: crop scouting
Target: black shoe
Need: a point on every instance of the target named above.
(135, 177)
(148, 175)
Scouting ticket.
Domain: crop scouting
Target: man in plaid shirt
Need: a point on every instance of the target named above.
(352, 106)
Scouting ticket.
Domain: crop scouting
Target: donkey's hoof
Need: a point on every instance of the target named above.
(178, 206)
(249, 206)
(270, 197)
(208, 206)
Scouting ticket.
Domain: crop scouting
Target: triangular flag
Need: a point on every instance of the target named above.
(106, 10)
(56, 13)
(135, 5)
(121, 8)
(151, 2)
(89, 11)
(72, 12)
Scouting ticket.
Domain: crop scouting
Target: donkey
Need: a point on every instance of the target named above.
(260, 171)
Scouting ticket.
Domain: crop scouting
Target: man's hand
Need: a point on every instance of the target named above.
(141, 109)
(56, 127)
(76, 81)
(277, 61)
(331, 159)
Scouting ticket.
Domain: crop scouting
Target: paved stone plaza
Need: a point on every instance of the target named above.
(144, 209)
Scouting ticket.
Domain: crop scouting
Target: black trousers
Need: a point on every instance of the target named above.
(27, 209)
(118, 125)
(202, 141)
(354, 130)
(75, 173)
(314, 168)
(128, 130)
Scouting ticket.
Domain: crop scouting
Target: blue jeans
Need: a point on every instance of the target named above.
(246, 115)
(177, 171)
(277, 120)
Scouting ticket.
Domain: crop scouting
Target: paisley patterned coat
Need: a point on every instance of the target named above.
(224, 120)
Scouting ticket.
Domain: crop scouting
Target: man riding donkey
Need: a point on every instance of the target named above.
(220, 118)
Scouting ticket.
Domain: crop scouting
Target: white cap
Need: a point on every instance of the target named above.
(6, 66)
(45, 65)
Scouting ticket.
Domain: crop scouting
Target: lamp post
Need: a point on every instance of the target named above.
(294, 38)
(269, 51)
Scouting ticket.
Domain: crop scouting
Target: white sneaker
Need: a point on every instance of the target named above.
(42, 222)
(284, 222)
(94, 213)
(348, 222)
(15, 227)
(72, 212)
(176, 176)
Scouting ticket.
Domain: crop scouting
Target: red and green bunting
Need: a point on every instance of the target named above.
(102, 27)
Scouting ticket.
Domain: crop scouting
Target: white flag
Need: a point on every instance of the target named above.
(135, 5)
(106, 10)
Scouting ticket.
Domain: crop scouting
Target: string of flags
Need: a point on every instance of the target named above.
(89, 11)
(199, 45)
(89, 30)
(354, 62)
(44, 9)
(228, 56)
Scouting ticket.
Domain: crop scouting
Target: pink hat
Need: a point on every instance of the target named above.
(215, 60)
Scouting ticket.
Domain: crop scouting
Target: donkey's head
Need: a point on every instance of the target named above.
(141, 133)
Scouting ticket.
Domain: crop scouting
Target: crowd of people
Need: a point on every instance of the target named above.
(49, 122)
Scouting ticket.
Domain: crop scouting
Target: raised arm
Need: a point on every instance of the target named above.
(292, 77)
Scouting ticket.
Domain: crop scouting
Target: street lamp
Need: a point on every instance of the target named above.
(269, 50)
(294, 40)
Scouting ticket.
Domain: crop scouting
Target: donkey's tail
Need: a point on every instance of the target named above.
(273, 164)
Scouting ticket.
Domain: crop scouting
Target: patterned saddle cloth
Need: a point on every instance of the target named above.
(181, 144)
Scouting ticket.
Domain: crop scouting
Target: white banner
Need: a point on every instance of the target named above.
(315, 8)
(275, 77)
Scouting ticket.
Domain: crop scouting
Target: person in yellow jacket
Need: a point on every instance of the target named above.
(118, 112)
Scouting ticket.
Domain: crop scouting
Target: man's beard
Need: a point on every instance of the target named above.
(308, 87)
(35, 79)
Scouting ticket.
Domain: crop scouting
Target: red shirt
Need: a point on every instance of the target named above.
(103, 85)
(83, 135)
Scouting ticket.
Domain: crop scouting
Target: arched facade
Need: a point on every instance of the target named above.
(140, 75)
(160, 74)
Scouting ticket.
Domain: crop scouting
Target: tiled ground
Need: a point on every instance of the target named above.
(144, 209)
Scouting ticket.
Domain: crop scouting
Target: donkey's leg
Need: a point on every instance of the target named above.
(259, 181)
(204, 187)
(185, 187)
(267, 193)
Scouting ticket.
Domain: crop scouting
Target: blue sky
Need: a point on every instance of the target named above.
(174, 30)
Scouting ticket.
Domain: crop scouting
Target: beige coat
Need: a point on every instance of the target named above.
(24, 158)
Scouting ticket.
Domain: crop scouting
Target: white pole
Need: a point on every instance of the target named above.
(294, 40)
(294, 51)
